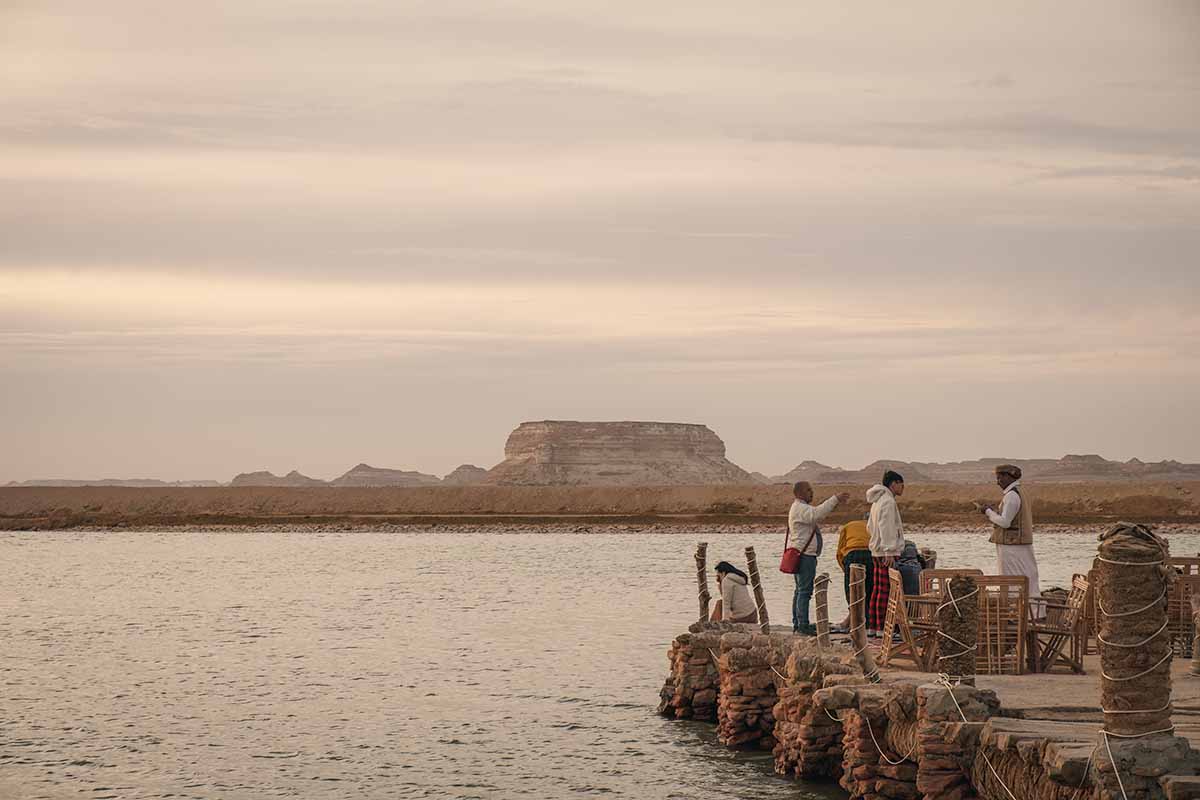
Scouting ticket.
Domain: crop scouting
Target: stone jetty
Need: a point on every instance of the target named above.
(1107, 735)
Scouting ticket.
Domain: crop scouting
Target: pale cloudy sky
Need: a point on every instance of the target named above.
(246, 235)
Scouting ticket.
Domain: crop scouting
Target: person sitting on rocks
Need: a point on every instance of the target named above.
(735, 604)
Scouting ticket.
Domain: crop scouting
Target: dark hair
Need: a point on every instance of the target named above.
(725, 566)
(891, 477)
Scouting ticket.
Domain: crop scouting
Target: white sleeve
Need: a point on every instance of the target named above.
(822, 511)
(1009, 506)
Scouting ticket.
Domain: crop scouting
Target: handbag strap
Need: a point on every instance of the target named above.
(811, 536)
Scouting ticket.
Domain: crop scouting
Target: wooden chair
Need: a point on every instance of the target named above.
(1185, 565)
(914, 619)
(934, 580)
(1063, 625)
(1091, 625)
(1179, 612)
(1003, 624)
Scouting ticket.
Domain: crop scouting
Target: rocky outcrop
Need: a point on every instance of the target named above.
(815, 472)
(366, 475)
(615, 454)
(466, 475)
(137, 483)
(1068, 469)
(264, 478)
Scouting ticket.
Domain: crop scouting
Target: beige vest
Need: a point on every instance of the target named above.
(1021, 529)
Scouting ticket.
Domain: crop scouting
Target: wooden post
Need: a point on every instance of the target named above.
(702, 578)
(756, 582)
(958, 630)
(858, 622)
(1195, 602)
(821, 589)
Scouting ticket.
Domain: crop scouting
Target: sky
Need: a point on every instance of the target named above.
(303, 235)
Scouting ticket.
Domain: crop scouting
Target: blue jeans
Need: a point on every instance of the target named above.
(804, 591)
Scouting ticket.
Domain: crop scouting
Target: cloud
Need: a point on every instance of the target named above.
(1178, 172)
(997, 80)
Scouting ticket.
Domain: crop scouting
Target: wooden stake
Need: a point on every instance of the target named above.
(821, 589)
(756, 582)
(702, 578)
(858, 622)
(1195, 603)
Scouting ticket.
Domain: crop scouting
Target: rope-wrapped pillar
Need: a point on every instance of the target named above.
(1135, 642)
(858, 622)
(1135, 659)
(821, 592)
(702, 579)
(958, 629)
(756, 583)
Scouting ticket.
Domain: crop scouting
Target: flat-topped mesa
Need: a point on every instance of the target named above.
(615, 453)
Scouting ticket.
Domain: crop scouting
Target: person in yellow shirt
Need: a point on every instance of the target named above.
(854, 547)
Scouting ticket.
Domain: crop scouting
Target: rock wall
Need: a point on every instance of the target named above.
(615, 453)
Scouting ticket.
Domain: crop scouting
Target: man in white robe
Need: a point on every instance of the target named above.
(1012, 533)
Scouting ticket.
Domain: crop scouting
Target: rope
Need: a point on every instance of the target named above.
(777, 672)
(1161, 661)
(1137, 711)
(1130, 563)
(1130, 613)
(954, 600)
(966, 649)
(832, 715)
(882, 755)
(945, 681)
(1142, 643)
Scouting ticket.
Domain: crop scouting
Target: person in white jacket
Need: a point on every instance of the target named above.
(735, 604)
(804, 534)
(887, 542)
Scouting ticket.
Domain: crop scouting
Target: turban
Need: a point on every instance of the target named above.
(1009, 469)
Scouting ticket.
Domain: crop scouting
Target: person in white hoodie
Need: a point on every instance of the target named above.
(887, 543)
(735, 604)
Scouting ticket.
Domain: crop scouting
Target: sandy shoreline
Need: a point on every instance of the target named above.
(37, 508)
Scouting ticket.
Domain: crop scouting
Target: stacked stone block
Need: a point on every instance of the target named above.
(808, 740)
(747, 697)
(691, 687)
(946, 745)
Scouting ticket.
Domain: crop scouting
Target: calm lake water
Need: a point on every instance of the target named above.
(332, 665)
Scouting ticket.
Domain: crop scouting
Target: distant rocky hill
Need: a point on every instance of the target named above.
(556, 452)
(1068, 469)
(366, 475)
(466, 475)
(264, 478)
(141, 483)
